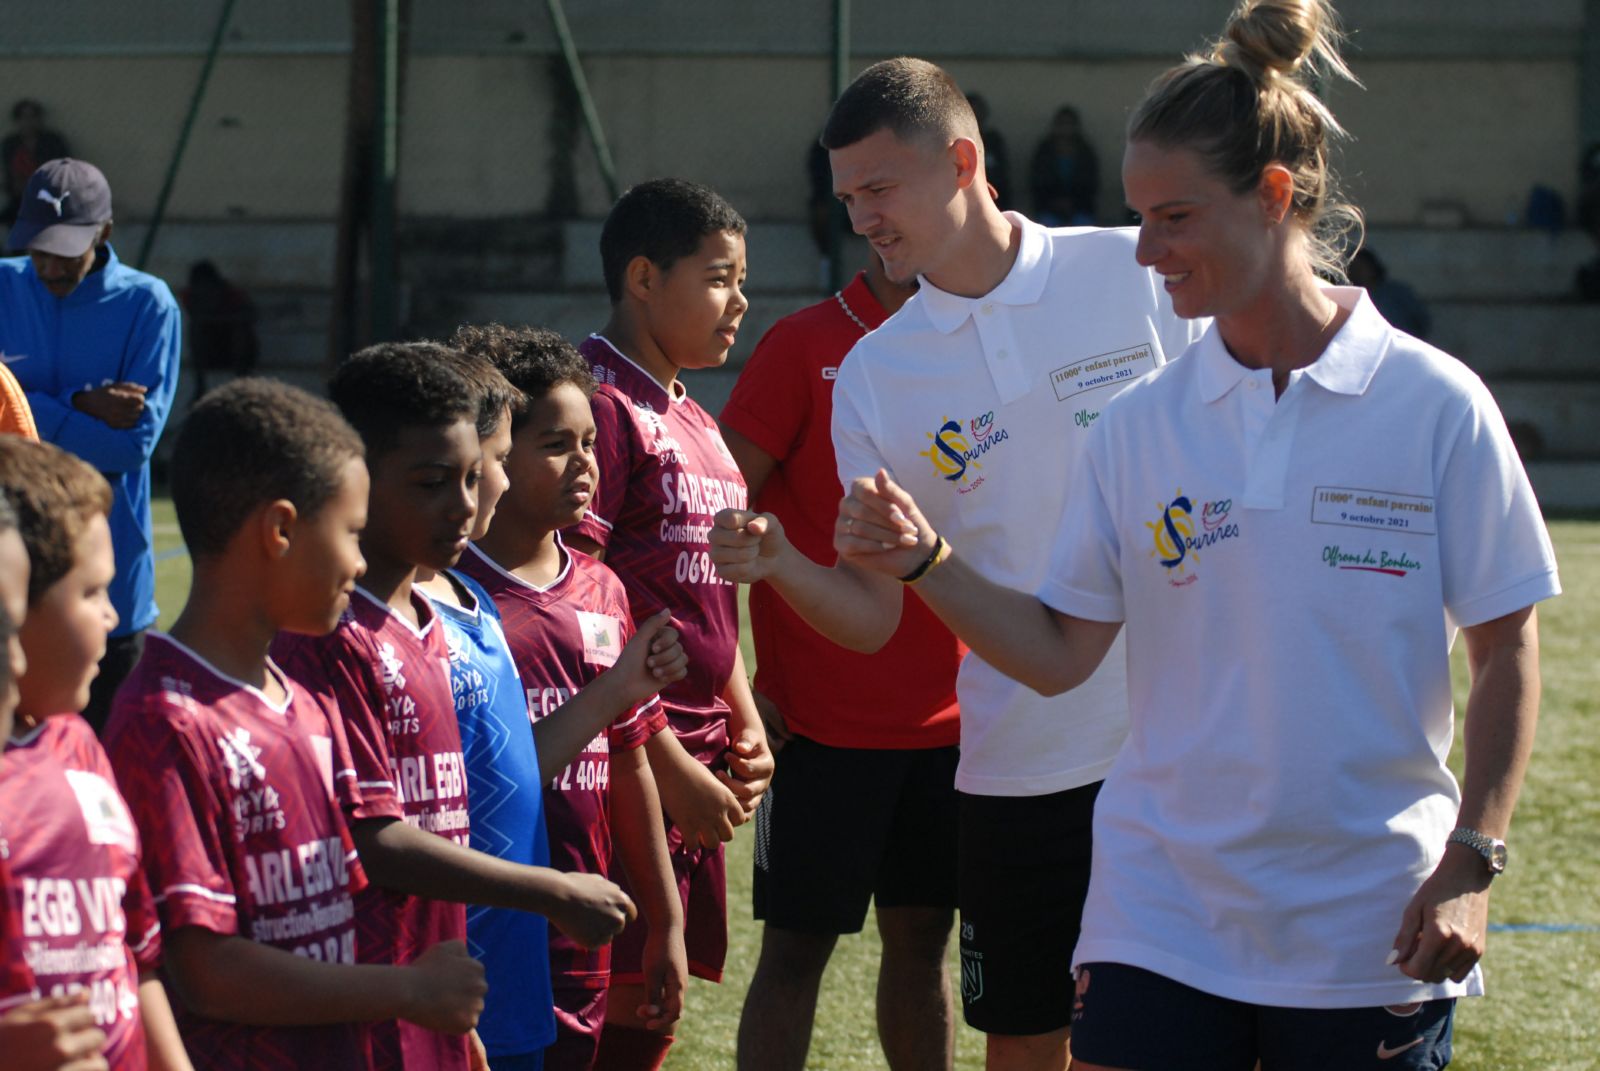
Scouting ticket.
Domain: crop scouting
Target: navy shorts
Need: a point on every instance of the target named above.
(842, 827)
(1128, 1017)
(1024, 873)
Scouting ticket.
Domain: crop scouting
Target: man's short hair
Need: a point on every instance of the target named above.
(55, 495)
(252, 442)
(662, 220)
(384, 389)
(495, 395)
(915, 99)
(535, 360)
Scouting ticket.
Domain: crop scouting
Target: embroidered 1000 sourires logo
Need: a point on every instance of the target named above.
(955, 449)
(1176, 540)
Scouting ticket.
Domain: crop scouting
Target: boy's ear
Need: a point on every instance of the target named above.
(640, 277)
(275, 522)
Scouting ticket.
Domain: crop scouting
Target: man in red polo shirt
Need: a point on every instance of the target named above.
(863, 803)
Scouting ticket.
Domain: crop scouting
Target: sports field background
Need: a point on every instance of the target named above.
(1543, 967)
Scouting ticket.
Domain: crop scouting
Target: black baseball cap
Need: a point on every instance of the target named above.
(62, 210)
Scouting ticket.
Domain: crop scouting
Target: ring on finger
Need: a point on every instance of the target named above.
(849, 523)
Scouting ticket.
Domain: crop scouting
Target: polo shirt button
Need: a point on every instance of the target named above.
(1001, 355)
(988, 309)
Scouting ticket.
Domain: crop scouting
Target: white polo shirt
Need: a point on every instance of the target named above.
(978, 407)
(1291, 574)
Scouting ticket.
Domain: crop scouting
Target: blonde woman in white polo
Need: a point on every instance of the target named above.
(1293, 522)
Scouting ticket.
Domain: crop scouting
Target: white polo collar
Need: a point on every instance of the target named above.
(1346, 366)
(1023, 285)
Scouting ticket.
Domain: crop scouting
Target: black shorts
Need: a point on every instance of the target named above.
(1024, 875)
(1133, 1018)
(840, 827)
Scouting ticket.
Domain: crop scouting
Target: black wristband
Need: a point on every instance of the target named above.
(928, 563)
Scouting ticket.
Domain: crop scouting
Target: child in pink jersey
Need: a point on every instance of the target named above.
(229, 766)
(386, 668)
(566, 617)
(36, 1034)
(674, 260)
(88, 920)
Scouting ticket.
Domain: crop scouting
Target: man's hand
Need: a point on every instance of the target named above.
(749, 772)
(880, 528)
(55, 1034)
(594, 911)
(745, 546)
(1444, 929)
(778, 732)
(703, 808)
(652, 659)
(448, 988)
(666, 976)
(119, 405)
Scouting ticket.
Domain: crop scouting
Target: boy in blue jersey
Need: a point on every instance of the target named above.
(506, 767)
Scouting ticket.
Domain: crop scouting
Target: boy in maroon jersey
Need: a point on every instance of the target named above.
(553, 606)
(88, 922)
(228, 766)
(674, 262)
(386, 667)
(35, 1034)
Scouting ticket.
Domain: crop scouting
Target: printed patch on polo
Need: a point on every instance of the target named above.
(1116, 368)
(1389, 511)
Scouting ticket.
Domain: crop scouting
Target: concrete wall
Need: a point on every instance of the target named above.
(1467, 101)
(268, 140)
(940, 28)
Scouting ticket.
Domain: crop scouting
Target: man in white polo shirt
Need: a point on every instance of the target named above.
(977, 396)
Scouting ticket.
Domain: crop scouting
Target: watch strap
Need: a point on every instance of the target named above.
(1492, 849)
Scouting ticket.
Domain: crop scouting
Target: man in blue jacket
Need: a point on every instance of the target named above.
(96, 345)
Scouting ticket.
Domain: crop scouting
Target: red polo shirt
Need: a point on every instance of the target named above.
(904, 696)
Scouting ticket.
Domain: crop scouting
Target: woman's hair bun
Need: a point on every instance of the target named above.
(1277, 37)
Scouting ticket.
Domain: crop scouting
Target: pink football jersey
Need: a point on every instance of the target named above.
(562, 637)
(87, 918)
(390, 682)
(234, 797)
(16, 980)
(664, 473)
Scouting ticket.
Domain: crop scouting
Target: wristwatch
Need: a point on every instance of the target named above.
(1492, 850)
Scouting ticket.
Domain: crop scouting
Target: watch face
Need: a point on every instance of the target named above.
(1497, 856)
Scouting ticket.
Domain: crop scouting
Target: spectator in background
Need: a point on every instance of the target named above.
(1065, 174)
(222, 325)
(95, 344)
(1588, 279)
(23, 150)
(1399, 303)
(996, 159)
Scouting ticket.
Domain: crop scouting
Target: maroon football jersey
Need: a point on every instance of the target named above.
(664, 474)
(562, 637)
(390, 682)
(86, 914)
(16, 980)
(234, 798)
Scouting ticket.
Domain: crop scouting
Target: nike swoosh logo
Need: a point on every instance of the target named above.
(1386, 1053)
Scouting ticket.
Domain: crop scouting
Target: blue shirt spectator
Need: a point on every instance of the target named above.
(96, 345)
